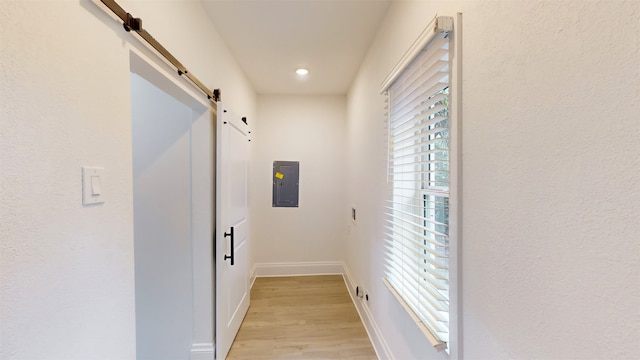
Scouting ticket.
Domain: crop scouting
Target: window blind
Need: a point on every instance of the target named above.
(417, 210)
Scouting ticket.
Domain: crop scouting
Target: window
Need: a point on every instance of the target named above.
(418, 213)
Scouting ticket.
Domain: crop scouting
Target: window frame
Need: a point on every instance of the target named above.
(453, 24)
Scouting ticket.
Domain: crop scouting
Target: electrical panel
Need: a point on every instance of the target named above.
(286, 183)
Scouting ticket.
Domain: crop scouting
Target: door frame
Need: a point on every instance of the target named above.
(144, 63)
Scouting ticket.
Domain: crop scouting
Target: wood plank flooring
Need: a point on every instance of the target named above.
(302, 317)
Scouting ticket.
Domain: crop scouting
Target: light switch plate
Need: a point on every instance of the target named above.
(92, 185)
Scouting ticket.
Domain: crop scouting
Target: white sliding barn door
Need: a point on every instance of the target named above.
(232, 228)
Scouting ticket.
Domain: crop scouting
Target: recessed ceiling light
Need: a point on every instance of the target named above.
(302, 71)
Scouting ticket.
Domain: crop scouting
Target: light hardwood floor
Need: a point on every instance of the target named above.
(302, 317)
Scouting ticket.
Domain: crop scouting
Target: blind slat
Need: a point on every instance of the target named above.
(406, 223)
(437, 258)
(421, 133)
(435, 88)
(442, 152)
(419, 107)
(421, 217)
(431, 291)
(434, 320)
(433, 297)
(420, 119)
(416, 235)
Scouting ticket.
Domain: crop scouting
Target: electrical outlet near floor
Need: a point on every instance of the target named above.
(362, 293)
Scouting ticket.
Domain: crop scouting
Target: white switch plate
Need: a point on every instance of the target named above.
(92, 185)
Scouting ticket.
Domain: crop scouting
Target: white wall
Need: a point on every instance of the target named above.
(66, 271)
(551, 179)
(311, 130)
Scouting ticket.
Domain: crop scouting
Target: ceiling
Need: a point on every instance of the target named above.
(270, 39)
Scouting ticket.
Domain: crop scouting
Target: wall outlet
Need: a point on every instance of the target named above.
(362, 293)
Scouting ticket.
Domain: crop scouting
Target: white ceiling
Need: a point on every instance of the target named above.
(270, 39)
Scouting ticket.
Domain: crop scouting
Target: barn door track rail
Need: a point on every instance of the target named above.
(131, 23)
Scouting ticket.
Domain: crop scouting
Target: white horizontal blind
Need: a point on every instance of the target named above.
(417, 212)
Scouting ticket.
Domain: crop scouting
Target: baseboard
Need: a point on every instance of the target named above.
(298, 268)
(202, 351)
(375, 335)
(252, 276)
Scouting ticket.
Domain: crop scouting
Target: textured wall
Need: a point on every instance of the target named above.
(551, 178)
(66, 271)
(309, 129)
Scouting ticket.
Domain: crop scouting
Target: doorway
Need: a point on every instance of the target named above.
(173, 210)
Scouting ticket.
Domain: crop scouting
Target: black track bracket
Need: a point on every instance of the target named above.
(132, 23)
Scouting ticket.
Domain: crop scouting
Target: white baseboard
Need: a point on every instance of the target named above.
(252, 276)
(202, 351)
(298, 268)
(375, 335)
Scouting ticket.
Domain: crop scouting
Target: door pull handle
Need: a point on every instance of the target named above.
(227, 257)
